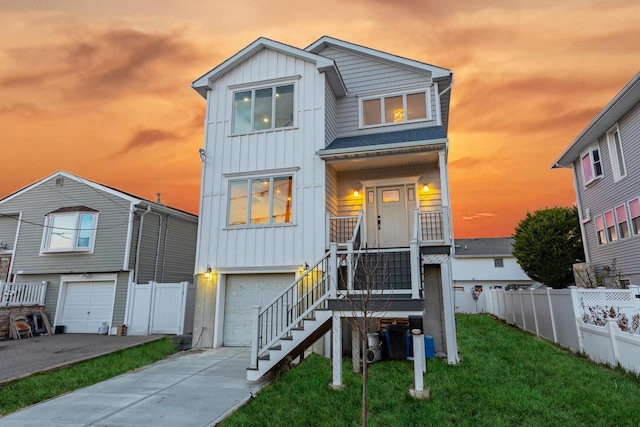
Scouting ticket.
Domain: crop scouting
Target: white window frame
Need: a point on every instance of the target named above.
(249, 179)
(403, 93)
(589, 152)
(498, 263)
(273, 84)
(610, 229)
(616, 153)
(48, 229)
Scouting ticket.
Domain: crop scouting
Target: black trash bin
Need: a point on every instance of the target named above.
(396, 338)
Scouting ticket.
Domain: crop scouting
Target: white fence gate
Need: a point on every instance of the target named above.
(161, 308)
(557, 315)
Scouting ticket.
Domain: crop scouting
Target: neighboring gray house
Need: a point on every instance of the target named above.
(312, 155)
(487, 263)
(605, 159)
(91, 244)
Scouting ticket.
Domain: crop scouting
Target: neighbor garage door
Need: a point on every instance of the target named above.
(243, 291)
(87, 305)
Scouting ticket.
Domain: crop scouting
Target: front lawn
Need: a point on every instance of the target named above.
(507, 378)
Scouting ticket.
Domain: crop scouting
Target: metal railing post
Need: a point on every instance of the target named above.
(256, 338)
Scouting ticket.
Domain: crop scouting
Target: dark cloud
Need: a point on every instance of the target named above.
(147, 138)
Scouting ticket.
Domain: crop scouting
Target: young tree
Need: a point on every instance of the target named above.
(547, 243)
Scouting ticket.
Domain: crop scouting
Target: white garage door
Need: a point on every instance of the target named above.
(243, 291)
(87, 305)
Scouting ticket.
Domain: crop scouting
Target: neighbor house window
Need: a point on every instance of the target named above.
(395, 109)
(600, 230)
(498, 262)
(263, 109)
(612, 236)
(615, 152)
(623, 224)
(260, 201)
(634, 210)
(591, 165)
(70, 230)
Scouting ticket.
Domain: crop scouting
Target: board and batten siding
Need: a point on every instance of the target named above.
(37, 201)
(331, 191)
(604, 194)
(363, 75)
(285, 151)
(331, 116)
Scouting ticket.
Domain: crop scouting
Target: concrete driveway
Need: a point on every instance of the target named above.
(193, 388)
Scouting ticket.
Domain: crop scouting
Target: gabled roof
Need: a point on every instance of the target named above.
(436, 72)
(326, 65)
(134, 200)
(384, 141)
(484, 247)
(622, 103)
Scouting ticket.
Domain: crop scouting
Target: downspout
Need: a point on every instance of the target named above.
(164, 249)
(585, 245)
(135, 268)
(155, 267)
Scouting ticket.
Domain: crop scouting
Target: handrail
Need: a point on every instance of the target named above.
(22, 293)
(306, 294)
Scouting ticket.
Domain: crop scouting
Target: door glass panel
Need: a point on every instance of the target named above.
(390, 196)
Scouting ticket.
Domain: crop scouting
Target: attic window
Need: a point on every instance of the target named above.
(395, 109)
(71, 229)
(498, 262)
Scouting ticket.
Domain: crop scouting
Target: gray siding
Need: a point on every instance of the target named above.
(8, 230)
(331, 191)
(605, 194)
(39, 200)
(330, 116)
(364, 75)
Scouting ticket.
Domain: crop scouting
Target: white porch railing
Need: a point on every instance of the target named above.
(22, 293)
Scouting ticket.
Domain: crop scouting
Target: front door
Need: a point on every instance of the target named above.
(392, 217)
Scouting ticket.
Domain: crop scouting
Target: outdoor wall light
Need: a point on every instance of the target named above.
(425, 188)
(207, 273)
(356, 193)
(306, 266)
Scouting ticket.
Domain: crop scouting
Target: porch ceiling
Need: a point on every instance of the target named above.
(381, 160)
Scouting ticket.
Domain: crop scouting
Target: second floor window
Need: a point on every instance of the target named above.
(634, 210)
(70, 230)
(395, 109)
(623, 225)
(615, 152)
(258, 201)
(591, 165)
(263, 109)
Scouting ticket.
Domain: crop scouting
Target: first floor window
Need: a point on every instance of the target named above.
(623, 224)
(612, 236)
(600, 230)
(634, 210)
(257, 201)
(591, 165)
(69, 230)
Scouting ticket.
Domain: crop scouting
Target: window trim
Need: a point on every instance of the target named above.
(589, 152)
(498, 263)
(48, 229)
(616, 156)
(249, 178)
(256, 86)
(395, 93)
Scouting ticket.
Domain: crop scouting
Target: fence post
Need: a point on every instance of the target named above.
(553, 317)
(524, 321)
(535, 315)
(253, 363)
(612, 326)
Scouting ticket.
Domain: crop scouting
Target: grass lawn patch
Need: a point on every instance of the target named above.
(38, 387)
(507, 378)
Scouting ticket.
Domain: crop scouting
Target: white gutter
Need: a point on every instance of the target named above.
(380, 148)
(135, 269)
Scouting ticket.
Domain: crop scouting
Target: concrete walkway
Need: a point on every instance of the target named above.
(195, 388)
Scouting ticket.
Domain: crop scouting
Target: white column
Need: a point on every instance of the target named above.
(336, 362)
(253, 363)
(449, 312)
(414, 248)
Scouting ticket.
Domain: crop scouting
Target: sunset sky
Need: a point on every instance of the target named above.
(101, 88)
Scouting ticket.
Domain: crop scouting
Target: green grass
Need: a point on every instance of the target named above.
(507, 378)
(38, 387)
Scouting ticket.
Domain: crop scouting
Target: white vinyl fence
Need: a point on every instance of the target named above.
(161, 308)
(557, 315)
(22, 293)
